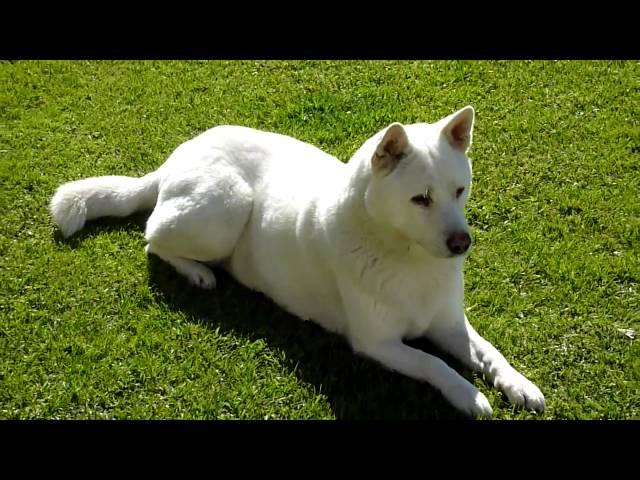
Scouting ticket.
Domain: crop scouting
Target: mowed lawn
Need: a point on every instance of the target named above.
(92, 329)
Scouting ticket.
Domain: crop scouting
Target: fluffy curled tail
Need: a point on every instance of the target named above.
(115, 196)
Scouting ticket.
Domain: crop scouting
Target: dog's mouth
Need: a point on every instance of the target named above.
(443, 251)
(458, 255)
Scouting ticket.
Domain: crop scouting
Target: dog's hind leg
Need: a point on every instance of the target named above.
(198, 218)
(196, 273)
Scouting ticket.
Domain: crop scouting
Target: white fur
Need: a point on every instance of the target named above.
(340, 244)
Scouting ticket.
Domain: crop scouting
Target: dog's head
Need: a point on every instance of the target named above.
(421, 180)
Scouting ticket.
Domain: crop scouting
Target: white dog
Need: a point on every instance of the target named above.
(372, 249)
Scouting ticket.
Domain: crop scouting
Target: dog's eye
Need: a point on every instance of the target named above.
(422, 200)
(459, 192)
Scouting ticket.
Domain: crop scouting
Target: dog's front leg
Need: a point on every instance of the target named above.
(374, 330)
(456, 336)
(419, 365)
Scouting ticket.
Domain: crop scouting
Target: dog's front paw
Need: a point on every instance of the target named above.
(521, 391)
(468, 399)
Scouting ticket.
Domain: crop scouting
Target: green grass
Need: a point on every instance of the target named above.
(92, 329)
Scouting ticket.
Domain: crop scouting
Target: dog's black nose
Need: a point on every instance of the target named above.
(458, 242)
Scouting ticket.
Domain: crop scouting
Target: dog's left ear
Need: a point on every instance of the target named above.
(458, 128)
(391, 149)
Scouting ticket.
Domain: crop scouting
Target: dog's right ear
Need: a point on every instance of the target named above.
(391, 149)
(458, 128)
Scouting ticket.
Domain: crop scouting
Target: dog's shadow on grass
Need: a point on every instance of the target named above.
(356, 388)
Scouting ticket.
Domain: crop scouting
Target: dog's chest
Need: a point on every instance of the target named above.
(416, 326)
(423, 298)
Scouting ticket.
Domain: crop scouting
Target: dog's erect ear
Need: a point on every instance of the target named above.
(458, 128)
(391, 149)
